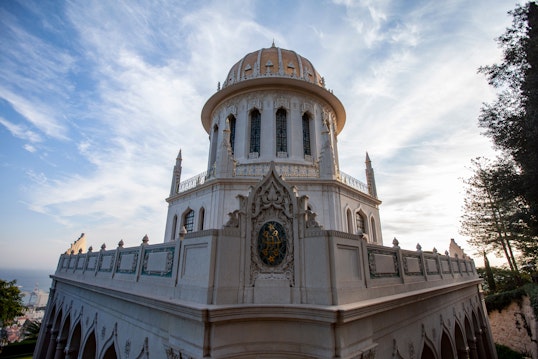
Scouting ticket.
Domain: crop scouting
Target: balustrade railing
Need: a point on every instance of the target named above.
(284, 169)
(193, 182)
(353, 182)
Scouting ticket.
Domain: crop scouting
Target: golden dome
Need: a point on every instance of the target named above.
(273, 62)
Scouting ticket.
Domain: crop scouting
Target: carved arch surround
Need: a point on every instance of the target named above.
(272, 201)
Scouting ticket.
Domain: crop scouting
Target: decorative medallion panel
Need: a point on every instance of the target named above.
(272, 243)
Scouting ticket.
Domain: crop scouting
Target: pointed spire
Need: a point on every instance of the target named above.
(370, 178)
(176, 175)
(273, 45)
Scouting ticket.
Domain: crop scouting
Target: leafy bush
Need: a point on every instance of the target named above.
(16, 350)
(505, 280)
(499, 301)
(507, 353)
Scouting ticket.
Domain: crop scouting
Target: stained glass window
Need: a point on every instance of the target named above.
(255, 124)
(189, 221)
(231, 121)
(281, 131)
(306, 135)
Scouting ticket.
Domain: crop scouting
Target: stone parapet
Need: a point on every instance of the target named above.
(331, 268)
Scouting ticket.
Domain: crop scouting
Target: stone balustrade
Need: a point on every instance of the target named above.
(370, 270)
(287, 170)
(193, 182)
(353, 182)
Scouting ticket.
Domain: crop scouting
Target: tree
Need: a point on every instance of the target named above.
(512, 120)
(490, 216)
(10, 301)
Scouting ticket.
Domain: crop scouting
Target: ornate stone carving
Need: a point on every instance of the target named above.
(411, 350)
(127, 349)
(172, 353)
(255, 102)
(307, 107)
(272, 202)
(233, 220)
(311, 220)
(281, 101)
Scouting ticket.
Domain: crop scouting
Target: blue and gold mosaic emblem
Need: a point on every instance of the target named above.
(272, 243)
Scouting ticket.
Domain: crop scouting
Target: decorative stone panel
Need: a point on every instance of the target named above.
(383, 263)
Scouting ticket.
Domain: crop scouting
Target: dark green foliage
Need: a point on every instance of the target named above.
(18, 349)
(512, 120)
(491, 213)
(490, 279)
(500, 301)
(505, 280)
(504, 352)
(532, 292)
(10, 301)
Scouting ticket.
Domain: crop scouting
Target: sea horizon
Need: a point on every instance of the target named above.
(28, 279)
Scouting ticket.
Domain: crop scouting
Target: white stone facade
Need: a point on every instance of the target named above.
(273, 252)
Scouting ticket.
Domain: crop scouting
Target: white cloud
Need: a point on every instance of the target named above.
(30, 148)
(128, 89)
(20, 131)
(37, 113)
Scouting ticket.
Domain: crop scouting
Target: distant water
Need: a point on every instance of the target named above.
(28, 279)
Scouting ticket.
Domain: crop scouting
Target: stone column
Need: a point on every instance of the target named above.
(70, 353)
(52, 344)
(464, 353)
(472, 348)
(480, 345)
(60, 346)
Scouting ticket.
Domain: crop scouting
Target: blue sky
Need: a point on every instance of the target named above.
(97, 97)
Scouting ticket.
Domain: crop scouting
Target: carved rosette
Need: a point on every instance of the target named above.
(271, 208)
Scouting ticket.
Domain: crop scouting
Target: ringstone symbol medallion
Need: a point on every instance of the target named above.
(272, 243)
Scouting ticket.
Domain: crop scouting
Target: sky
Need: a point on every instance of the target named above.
(97, 98)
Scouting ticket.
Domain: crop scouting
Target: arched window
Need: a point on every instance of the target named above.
(231, 122)
(188, 221)
(373, 233)
(255, 125)
(174, 228)
(446, 347)
(201, 216)
(90, 347)
(281, 131)
(359, 218)
(349, 221)
(306, 135)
